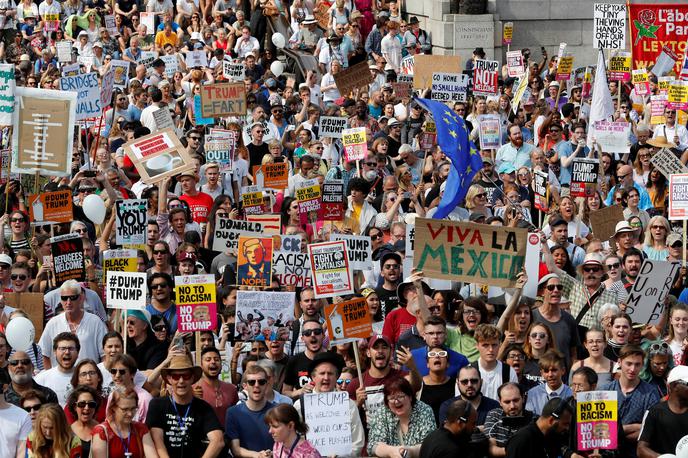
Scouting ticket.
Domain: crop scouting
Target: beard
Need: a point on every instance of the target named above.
(21, 379)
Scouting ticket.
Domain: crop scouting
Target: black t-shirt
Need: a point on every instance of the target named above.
(435, 395)
(185, 428)
(388, 300)
(296, 372)
(150, 354)
(256, 153)
(662, 428)
(442, 443)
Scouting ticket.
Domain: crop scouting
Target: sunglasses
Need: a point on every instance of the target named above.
(312, 332)
(437, 354)
(342, 381)
(186, 376)
(159, 251)
(118, 371)
(538, 335)
(621, 177)
(35, 407)
(391, 266)
(17, 362)
(159, 286)
(553, 287)
(89, 190)
(482, 195)
(371, 164)
(17, 220)
(72, 297)
(469, 381)
(376, 237)
(18, 277)
(591, 269)
(615, 265)
(261, 382)
(89, 404)
(662, 347)
(160, 328)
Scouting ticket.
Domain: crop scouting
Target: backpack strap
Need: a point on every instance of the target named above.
(506, 373)
(295, 331)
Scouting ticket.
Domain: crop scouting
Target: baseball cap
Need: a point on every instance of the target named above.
(506, 167)
(376, 338)
(186, 256)
(673, 238)
(678, 374)
(5, 259)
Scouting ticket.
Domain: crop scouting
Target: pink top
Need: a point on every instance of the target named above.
(303, 450)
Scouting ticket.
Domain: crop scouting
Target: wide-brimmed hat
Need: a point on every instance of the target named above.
(181, 363)
(310, 19)
(593, 259)
(621, 227)
(413, 20)
(327, 357)
(661, 142)
(407, 283)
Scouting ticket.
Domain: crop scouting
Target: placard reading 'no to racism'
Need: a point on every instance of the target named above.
(196, 303)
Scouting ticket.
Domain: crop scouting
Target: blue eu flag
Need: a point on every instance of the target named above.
(452, 138)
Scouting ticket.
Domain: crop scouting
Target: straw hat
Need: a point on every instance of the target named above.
(181, 363)
(661, 142)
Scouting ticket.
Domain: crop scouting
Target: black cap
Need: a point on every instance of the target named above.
(390, 255)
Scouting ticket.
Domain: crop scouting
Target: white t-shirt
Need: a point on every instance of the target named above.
(15, 426)
(391, 49)
(58, 381)
(90, 333)
(492, 380)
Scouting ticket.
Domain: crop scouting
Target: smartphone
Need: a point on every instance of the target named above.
(246, 347)
(89, 173)
(178, 343)
(407, 195)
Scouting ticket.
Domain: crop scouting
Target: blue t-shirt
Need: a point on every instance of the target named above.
(249, 427)
(170, 315)
(456, 361)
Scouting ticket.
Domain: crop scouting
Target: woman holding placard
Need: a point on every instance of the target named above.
(289, 433)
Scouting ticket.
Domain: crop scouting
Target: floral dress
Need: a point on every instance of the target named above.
(385, 429)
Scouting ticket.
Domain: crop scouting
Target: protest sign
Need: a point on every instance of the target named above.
(485, 76)
(329, 422)
(254, 261)
(332, 207)
(308, 196)
(158, 155)
(264, 315)
(51, 207)
(196, 59)
(355, 145)
(521, 93)
(564, 68)
(449, 87)
(401, 90)
(348, 321)
(612, 136)
(654, 27)
(252, 200)
(120, 260)
(490, 131)
(597, 420)
(666, 61)
(223, 99)
(330, 269)
(50, 21)
(147, 58)
(641, 81)
(406, 69)
(43, 131)
(657, 106)
(71, 69)
(163, 118)
(620, 66)
(663, 83)
(196, 303)
(515, 63)
(678, 196)
(227, 232)
(131, 221)
(678, 95)
(427, 140)
(121, 71)
(233, 70)
(107, 87)
(584, 176)
(171, 65)
(468, 252)
(332, 126)
(425, 65)
(359, 248)
(220, 145)
(126, 290)
(148, 19)
(68, 258)
(645, 303)
(533, 252)
(603, 221)
(609, 26)
(276, 175)
(507, 33)
(540, 187)
(64, 51)
(7, 85)
(352, 78)
(292, 268)
(666, 162)
(271, 222)
(198, 116)
(111, 25)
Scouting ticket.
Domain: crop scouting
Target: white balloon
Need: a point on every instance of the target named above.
(278, 40)
(20, 333)
(682, 447)
(667, 455)
(94, 208)
(277, 68)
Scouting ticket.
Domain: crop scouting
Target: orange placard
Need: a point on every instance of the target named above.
(276, 176)
(348, 321)
(254, 261)
(51, 207)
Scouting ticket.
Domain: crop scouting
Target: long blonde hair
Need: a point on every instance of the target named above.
(62, 433)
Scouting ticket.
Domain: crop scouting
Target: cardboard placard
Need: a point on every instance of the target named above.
(171, 65)
(354, 77)
(541, 188)
(64, 51)
(126, 290)
(158, 155)
(603, 221)
(678, 95)
(641, 81)
(584, 176)
(666, 162)
(163, 118)
(43, 131)
(197, 113)
(309, 198)
(658, 104)
(332, 208)
(51, 207)
(233, 70)
(254, 261)
(609, 26)
(678, 196)
(401, 89)
(121, 72)
(148, 19)
(515, 64)
(292, 268)
(271, 222)
(31, 303)
(124, 260)
(223, 99)
(449, 87)
(329, 422)
(469, 252)
(597, 420)
(332, 126)
(359, 248)
(564, 68)
(196, 303)
(645, 303)
(330, 269)
(485, 77)
(264, 315)
(227, 232)
(348, 321)
(507, 33)
(107, 87)
(355, 144)
(196, 59)
(68, 258)
(425, 65)
(252, 200)
(131, 222)
(220, 146)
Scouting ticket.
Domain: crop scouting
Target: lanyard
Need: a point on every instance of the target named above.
(181, 421)
(293, 446)
(126, 445)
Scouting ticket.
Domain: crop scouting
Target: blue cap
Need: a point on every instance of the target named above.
(506, 167)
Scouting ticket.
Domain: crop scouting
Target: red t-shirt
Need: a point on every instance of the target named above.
(116, 445)
(396, 323)
(200, 206)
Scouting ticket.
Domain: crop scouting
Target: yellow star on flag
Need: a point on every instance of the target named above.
(453, 133)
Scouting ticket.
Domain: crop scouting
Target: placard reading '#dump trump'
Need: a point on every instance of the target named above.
(468, 252)
(196, 303)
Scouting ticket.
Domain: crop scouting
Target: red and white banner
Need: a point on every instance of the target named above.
(654, 26)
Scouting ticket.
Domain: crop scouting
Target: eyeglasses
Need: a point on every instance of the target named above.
(371, 164)
(591, 269)
(17, 220)
(80, 231)
(193, 137)
(184, 375)
(469, 381)
(17, 362)
(391, 266)
(88, 374)
(615, 265)
(114, 371)
(661, 348)
(21, 277)
(72, 298)
(66, 349)
(159, 286)
(516, 356)
(553, 287)
(160, 328)
(554, 131)
(657, 227)
(87, 190)
(89, 404)
(35, 407)
(397, 398)
(259, 131)
(437, 354)
(471, 312)
(621, 177)
(311, 332)
(260, 381)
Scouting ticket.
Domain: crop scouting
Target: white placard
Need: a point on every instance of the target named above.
(332, 126)
(609, 26)
(645, 303)
(359, 249)
(329, 422)
(449, 87)
(126, 290)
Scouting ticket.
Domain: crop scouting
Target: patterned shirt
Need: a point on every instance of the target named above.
(579, 295)
(632, 406)
(497, 430)
(385, 429)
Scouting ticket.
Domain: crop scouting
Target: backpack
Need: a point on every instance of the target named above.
(506, 370)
